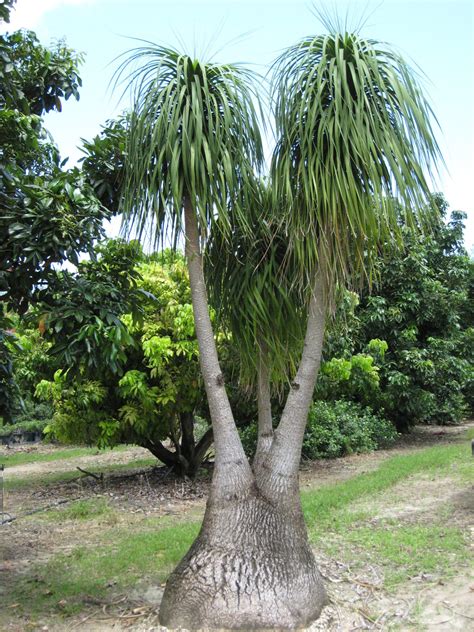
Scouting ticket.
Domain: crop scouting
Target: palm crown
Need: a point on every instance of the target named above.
(194, 134)
(354, 144)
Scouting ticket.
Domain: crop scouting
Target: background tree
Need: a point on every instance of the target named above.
(128, 377)
(354, 138)
(103, 162)
(420, 307)
(47, 215)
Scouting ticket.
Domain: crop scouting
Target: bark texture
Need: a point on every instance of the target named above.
(251, 567)
(280, 470)
(231, 468)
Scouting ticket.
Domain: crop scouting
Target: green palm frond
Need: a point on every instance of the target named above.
(251, 284)
(355, 147)
(194, 132)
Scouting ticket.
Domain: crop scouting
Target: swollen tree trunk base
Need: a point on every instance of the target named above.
(251, 567)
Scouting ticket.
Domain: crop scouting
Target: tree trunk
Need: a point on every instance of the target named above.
(265, 426)
(251, 567)
(188, 460)
(231, 469)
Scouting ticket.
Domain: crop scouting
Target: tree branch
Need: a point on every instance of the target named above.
(282, 462)
(203, 445)
(232, 471)
(170, 459)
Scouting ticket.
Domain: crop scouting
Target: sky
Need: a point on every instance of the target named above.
(436, 35)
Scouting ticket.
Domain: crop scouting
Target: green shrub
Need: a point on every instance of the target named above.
(335, 428)
(355, 377)
(35, 425)
(343, 427)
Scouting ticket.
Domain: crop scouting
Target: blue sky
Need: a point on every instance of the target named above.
(437, 35)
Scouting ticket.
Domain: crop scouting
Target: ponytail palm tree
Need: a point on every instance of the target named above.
(354, 141)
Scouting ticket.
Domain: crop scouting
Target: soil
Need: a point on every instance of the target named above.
(63, 465)
(357, 599)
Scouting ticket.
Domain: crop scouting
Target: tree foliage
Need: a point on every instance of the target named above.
(419, 312)
(124, 324)
(48, 215)
(103, 162)
(421, 308)
(193, 134)
(354, 144)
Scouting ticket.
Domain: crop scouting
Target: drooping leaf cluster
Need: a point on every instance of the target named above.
(252, 288)
(193, 135)
(354, 144)
(355, 149)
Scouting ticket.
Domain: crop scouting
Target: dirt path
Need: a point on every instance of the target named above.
(358, 600)
(101, 459)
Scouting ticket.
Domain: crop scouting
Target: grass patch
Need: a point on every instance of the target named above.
(125, 560)
(326, 508)
(407, 551)
(87, 509)
(20, 458)
(122, 559)
(54, 478)
(336, 523)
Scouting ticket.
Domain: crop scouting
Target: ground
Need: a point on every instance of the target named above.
(393, 532)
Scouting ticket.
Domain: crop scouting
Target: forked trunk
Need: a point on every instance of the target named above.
(188, 455)
(251, 566)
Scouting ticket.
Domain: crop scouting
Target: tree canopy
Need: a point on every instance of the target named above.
(48, 215)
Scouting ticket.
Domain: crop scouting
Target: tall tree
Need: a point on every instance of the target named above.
(353, 139)
(47, 215)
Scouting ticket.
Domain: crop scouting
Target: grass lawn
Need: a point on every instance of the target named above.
(53, 478)
(339, 524)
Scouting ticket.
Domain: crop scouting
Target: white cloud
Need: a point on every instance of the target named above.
(28, 13)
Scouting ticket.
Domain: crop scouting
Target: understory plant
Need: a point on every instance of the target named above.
(136, 377)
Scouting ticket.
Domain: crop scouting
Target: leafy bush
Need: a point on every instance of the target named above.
(343, 427)
(354, 378)
(422, 307)
(334, 429)
(34, 411)
(36, 425)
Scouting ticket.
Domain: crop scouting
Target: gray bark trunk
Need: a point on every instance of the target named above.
(231, 469)
(251, 567)
(280, 468)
